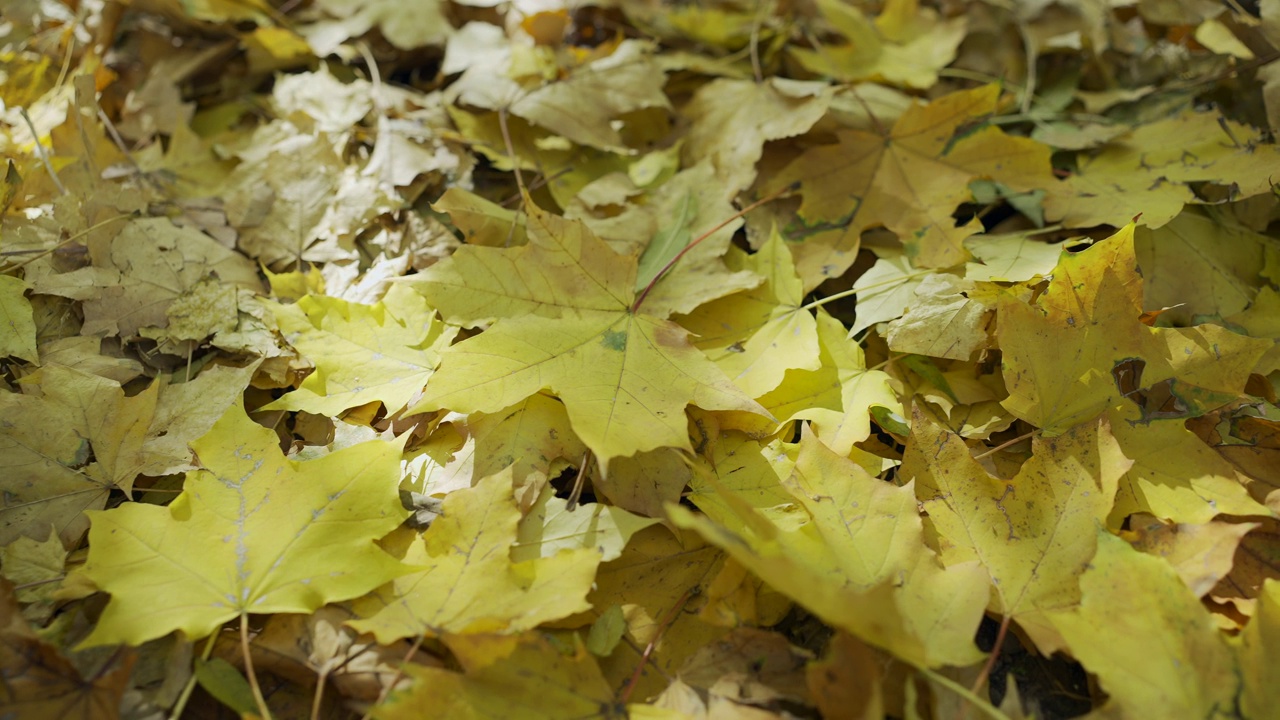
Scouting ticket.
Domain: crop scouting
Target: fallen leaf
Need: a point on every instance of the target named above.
(469, 582)
(252, 532)
(625, 377)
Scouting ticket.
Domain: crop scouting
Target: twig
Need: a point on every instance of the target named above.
(386, 689)
(576, 493)
(44, 156)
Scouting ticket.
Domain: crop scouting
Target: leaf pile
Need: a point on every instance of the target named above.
(692, 360)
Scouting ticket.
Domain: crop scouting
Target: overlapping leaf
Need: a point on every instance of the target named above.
(253, 532)
(625, 377)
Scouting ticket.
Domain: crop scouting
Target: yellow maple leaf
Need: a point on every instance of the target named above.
(858, 560)
(363, 353)
(1146, 171)
(1130, 601)
(910, 179)
(567, 325)
(1061, 355)
(1034, 534)
(905, 45)
(758, 335)
(532, 676)
(469, 583)
(253, 532)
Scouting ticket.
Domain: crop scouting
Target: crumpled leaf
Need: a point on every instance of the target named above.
(40, 682)
(625, 378)
(63, 452)
(582, 106)
(733, 119)
(944, 320)
(469, 583)
(253, 532)
(424, 23)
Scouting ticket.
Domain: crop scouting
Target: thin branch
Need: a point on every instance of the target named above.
(386, 689)
(44, 156)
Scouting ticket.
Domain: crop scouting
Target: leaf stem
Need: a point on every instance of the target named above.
(176, 712)
(1004, 445)
(995, 653)
(987, 708)
(248, 668)
(624, 696)
(854, 291)
(635, 307)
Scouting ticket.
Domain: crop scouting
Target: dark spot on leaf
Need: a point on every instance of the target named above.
(614, 340)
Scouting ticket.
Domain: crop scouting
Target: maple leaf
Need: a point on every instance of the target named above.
(733, 119)
(757, 336)
(1128, 598)
(1034, 534)
(252, 532)
(1256, 653)
(85, 436)
(551, 526)
(567, 325)
(141, 271)
(17, 325)
(469, 583)
(532, 437)
(1231, 264)
(530, 677)
(905, 45)
(582, 106)
(1175, 476)
(362, 353)
(839, 395)
(909, 179)
(40, 682)
(1061, 354)
(858, 560)
(1147, 170)
(660, 224)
